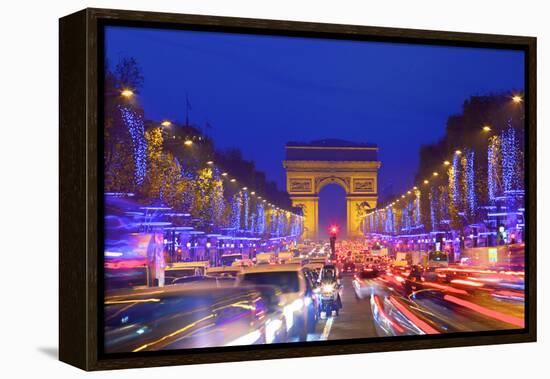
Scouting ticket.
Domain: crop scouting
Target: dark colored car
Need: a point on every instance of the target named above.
(313, 303)
(348, 267)
(181, 317)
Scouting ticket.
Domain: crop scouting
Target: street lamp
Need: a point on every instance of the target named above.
(426, 181)
(486, 128)
(210, 163)
(233, 180)
(517, 99)
(188, 142)
(446, 163)
(166, 123)
(458, 152)
(435, 174)
(127, 93)
(224, 174)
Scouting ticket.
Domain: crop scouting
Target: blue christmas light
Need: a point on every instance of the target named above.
(136, 127)
(509, 159)
(469, 179)
(260, 225)
(493, 167)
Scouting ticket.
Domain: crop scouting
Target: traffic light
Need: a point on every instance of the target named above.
(333, 232)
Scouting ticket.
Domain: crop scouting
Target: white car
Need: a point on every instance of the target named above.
(296, 294)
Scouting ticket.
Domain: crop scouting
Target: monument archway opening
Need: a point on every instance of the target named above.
(313, 165)
(332, 210)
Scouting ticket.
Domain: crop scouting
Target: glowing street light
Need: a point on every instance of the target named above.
(127, 93)
(435, 173)
(426, 181)
(224, 174)
(252, 193)
(233, 180)
(458, 152)
(517, 99)
(415, 188)
(245, 188)
(188, 142)
(210, 163)
(446, 163)
(486, 128)
(409, 192)
(166, 123)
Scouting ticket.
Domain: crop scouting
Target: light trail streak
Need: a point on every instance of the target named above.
(517, 321)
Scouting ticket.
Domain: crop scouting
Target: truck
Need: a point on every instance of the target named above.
(401, 260)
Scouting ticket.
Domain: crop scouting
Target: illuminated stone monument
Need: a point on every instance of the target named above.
(311, 166)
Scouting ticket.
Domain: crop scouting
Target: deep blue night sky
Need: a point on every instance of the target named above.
(259, 92)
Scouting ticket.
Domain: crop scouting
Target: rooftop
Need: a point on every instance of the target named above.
(331, 150)
(331, 142)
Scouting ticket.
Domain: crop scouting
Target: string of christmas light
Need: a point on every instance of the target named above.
(493, 167)
(236, 204)
(136, 127)
(469, 179)
(509, 159)
(260, 226)
(245, 206)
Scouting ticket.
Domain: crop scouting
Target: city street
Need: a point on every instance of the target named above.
(228, 234)
(428, 310)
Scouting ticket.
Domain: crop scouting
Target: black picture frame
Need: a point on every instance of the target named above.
(80, 184)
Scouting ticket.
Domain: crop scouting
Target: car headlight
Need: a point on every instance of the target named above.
(328, 288)
(271, 329)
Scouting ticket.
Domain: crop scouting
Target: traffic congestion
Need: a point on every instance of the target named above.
(310, 292)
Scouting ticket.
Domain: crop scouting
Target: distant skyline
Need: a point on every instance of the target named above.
(260, 92)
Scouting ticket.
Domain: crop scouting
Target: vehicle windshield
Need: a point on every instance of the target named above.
(328, 274)
(171, 275)
(438, 256)
(287, 281)
(228, 273)
(227, 260)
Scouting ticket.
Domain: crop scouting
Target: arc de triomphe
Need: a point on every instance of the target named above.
(311, 166)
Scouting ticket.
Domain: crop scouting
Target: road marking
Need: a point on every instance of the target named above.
(326, 330)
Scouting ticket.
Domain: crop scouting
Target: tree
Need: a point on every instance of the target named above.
(128, 74)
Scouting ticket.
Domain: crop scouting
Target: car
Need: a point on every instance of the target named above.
(328, 290)
(315, 304)
(182, 269)
(296, 296)
(348, 266)
(203, 279)
(316, 267)
(230, 271)
(229, 258)
(181, 317)
(362, 282)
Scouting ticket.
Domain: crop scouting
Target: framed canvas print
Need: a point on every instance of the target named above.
(238, 189)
